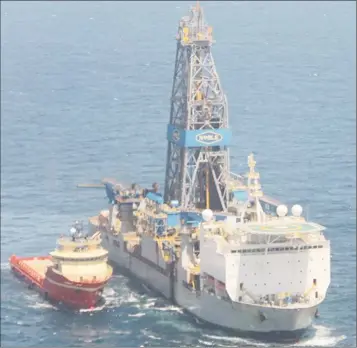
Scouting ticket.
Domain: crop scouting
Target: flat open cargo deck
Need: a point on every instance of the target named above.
(39, 266)
(33, 269)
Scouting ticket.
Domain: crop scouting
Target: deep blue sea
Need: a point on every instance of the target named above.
(85, 94)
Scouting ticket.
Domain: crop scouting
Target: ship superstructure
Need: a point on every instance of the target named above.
(214, 243)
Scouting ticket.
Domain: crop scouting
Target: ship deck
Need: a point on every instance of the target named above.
(33, 269)
(38, 265)
(284, 227)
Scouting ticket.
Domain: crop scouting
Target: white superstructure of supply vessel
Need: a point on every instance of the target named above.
(214, 243)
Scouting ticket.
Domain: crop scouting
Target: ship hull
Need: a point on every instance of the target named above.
(56, 288)
(273, 336)
(242, 319)
(74, 295)
(246, 320)
(143, 269)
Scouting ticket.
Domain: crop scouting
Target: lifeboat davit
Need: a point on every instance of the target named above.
(74, 274)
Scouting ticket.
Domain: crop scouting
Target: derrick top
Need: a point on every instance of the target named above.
(193, 29)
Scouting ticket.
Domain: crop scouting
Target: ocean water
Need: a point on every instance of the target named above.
(85, 90)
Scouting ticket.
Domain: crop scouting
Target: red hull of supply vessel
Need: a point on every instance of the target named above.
(56, 276)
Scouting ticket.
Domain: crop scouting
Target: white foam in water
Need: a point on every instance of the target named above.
(154, 337)
(206, 343)
(168, 309)
(112, 300)
(111, 297)
(175, 341)
(151, 299)
(322, 338)
(43, 305)
(121, 332)
(89, 310)
(132, 298)
(179, 326)
(148, 304)
(236, 340)
(150, 334)
(5, 266)
(137, 315)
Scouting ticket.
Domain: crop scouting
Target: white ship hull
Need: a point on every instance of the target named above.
(243, 318)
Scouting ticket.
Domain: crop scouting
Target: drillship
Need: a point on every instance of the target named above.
(213, 243)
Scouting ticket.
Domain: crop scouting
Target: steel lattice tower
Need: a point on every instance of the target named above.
(198, 134)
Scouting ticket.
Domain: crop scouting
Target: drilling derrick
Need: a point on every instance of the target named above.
(198, 134)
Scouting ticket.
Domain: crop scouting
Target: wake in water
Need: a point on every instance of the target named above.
(113, 299)
(42, 305)
(224, 341)
(137, 315)
(323, 337)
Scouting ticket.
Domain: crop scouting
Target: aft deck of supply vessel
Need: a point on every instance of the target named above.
(33, 269)
(74, 274)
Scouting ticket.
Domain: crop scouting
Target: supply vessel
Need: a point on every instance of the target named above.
(74, 274)
(213, 242)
